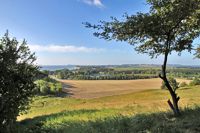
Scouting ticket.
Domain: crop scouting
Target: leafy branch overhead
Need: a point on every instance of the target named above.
(170, 25)
(173, 22)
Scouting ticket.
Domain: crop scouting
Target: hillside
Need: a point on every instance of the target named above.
(123, 113)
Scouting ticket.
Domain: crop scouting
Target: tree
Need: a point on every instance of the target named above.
(197, 52)
(169, 26)
(17, 75)
(173, 83)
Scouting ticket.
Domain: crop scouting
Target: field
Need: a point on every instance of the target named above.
(138, 111)
(85, 89)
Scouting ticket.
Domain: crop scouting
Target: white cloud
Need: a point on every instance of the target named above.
(97, 3)
(62, 48)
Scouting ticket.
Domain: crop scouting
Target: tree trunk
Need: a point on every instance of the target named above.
(174, 104)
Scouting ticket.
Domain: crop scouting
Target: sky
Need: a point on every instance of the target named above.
(54, 31)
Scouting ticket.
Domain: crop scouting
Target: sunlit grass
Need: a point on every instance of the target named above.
(56, 114)
(134, 103)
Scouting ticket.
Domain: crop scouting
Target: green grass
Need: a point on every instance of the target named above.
(145, 111)
(145, 123)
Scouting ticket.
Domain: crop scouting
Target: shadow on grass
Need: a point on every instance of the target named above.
(67, 89)
(163, 122)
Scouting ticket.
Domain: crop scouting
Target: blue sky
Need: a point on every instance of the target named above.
(54, 30)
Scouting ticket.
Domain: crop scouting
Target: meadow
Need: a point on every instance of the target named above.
(137, 111)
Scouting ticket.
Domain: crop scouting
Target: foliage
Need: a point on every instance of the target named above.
(197, 52)
(17, 73)
(195, 81)
(175, 22)
(48, 86)
(169, 26)
(123, 73)
(183, 84)
(173, 83)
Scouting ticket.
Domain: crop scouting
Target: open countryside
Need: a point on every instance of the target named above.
(56, 114)
(96, 105)
(99, 88)
(100, 66)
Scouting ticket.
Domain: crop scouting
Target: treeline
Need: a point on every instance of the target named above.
(110, 77)
(188, 73)
(101, 73)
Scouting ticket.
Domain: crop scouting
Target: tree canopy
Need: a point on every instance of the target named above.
(170, 25)
(173, 22)
(17, 75)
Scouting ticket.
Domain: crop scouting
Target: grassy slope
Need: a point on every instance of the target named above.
(143, 123)
(113, 114)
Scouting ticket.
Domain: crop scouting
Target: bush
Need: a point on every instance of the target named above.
(163, 86)
(58, 87)
(172, 81)
(183, 84)
(48, 79)
(44, 87)
(195, 81)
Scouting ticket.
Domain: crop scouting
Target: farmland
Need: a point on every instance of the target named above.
(96, 105)
(67, 114)
(100, 88)
(80, 67)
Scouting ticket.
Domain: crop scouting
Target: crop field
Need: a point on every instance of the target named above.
(85, 89)
(103, 106)
(71, 115)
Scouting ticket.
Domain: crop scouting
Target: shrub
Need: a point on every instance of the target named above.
(195, 81)
(59, 87)
(44, 87)
(172, 81)
(183, 84)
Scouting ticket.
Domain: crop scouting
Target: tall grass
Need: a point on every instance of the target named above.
(162, 122)
(145, 111)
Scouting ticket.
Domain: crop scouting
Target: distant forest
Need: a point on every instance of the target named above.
(122, 73)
